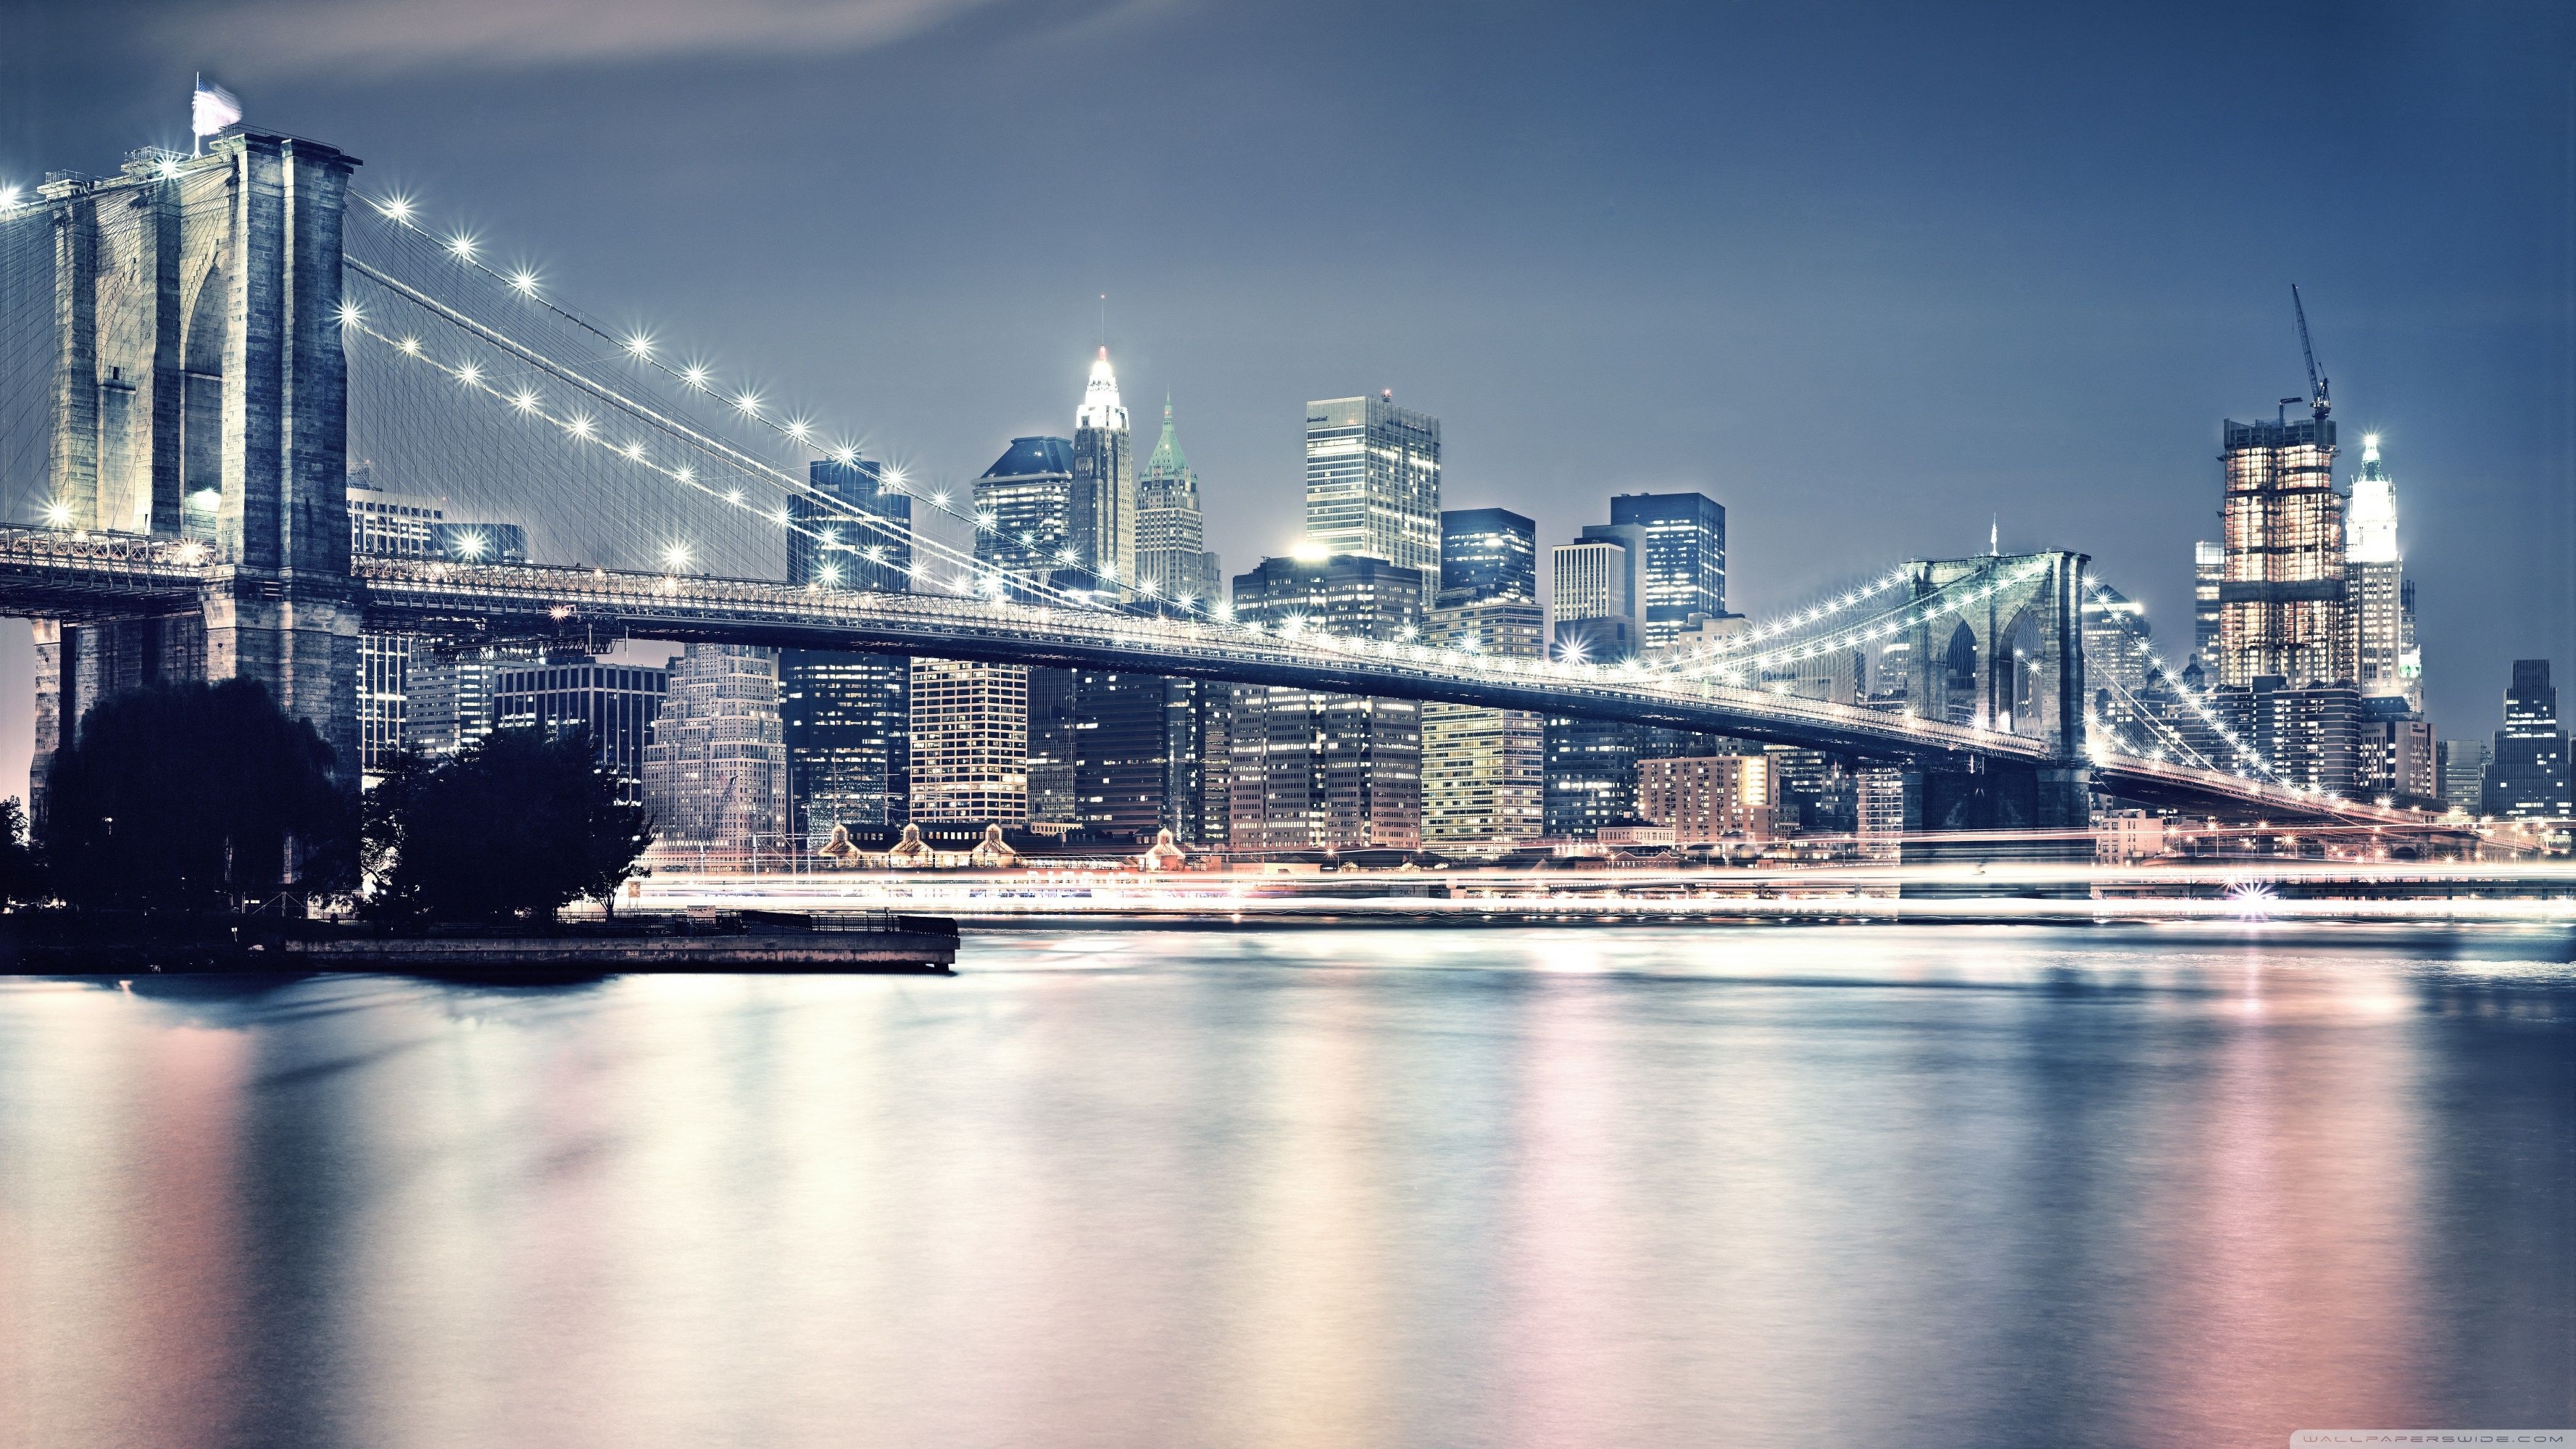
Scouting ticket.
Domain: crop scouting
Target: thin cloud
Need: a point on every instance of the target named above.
(381, 36)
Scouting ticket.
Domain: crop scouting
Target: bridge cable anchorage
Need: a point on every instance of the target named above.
(581, 429)
(638, 350)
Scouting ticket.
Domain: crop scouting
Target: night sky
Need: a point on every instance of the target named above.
(1866, 275)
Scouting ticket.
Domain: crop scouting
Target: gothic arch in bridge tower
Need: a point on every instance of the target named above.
(1958, 697)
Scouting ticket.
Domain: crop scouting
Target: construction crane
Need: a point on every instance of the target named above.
(2318, 402)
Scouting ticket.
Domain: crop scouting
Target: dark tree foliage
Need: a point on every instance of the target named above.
(18, 875)
(196, 797)
(511, 829)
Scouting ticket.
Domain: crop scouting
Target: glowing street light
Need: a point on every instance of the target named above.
(463, 246)
(695, 376)
(676, 556)
(398, 207)
(524, 282)
(639, 345)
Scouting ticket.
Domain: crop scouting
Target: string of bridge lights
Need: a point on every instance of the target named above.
(1953, 598)
(749, 407)
(1724, 659)
(2199, 703)
(976, 576)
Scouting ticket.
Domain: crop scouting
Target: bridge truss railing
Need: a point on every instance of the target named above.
(498, 600)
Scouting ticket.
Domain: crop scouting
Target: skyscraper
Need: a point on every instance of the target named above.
(617, 700)
(2379, 603)
(1103, 513)
(1373, 483)
(1682, 570)
(970, 743)
(2208, 576)
(2115, 665)
(2282, 598)
(1138, 755)
(396, 525)
(715, 771)
(1487, 553)
(846, 717)
(2527, 777)
(1026, 522)
(1590, 770)
(2464, 774)
(1172, 561)
(1311, 771)
(1484, 771)
(977, 742)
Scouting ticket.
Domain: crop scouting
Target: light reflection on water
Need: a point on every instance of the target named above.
(1547, 1187)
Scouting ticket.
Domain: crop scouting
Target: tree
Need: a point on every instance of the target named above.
(18, 876)
(196, 796)
(514, 827)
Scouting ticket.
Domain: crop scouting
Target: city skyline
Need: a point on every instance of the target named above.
(1696, 275)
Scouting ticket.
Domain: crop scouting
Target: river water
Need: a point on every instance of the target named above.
(1881, 1185)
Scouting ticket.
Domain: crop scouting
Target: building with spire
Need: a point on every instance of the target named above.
(2379, 603)
(1172, 561)
(1103, 516)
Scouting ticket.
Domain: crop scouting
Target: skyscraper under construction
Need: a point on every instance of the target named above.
(2282, 599)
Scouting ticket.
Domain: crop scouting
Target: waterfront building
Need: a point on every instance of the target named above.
(395, 525)
(1884, 809)
(1680, 568)
(1138, 756)
(715, 770)
(970, 743)
(1484, 770)
(1172, 561)
(1308, 770)
(1373, 483)
(2394, 751)
(1706, 799)
(1487, 553)
(2311, 736)
(2527, 775)
(2282, 597)
(450, 702)
(1054, 807)
(2464, 774)
(617, 700)
(1590, 776)
(1591, 764)
(2381, 602)
(846, 717)
(1818, 792)
(1103, 514)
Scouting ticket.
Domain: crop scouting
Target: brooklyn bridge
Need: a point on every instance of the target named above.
(198, 347)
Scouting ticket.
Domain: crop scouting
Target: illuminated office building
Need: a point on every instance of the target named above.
(1373, 483)
(846, 717)
(1681, 567)
(715, 770)
(1310, 770)
(2527, 774)
(1172, 561)
(2380, 600)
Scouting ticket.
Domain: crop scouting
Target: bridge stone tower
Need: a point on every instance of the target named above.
(200, 392)
(2011, 662)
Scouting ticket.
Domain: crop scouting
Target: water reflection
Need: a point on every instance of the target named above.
(1553, 1187)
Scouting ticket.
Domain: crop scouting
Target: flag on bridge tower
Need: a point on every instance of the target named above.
(213, 109)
